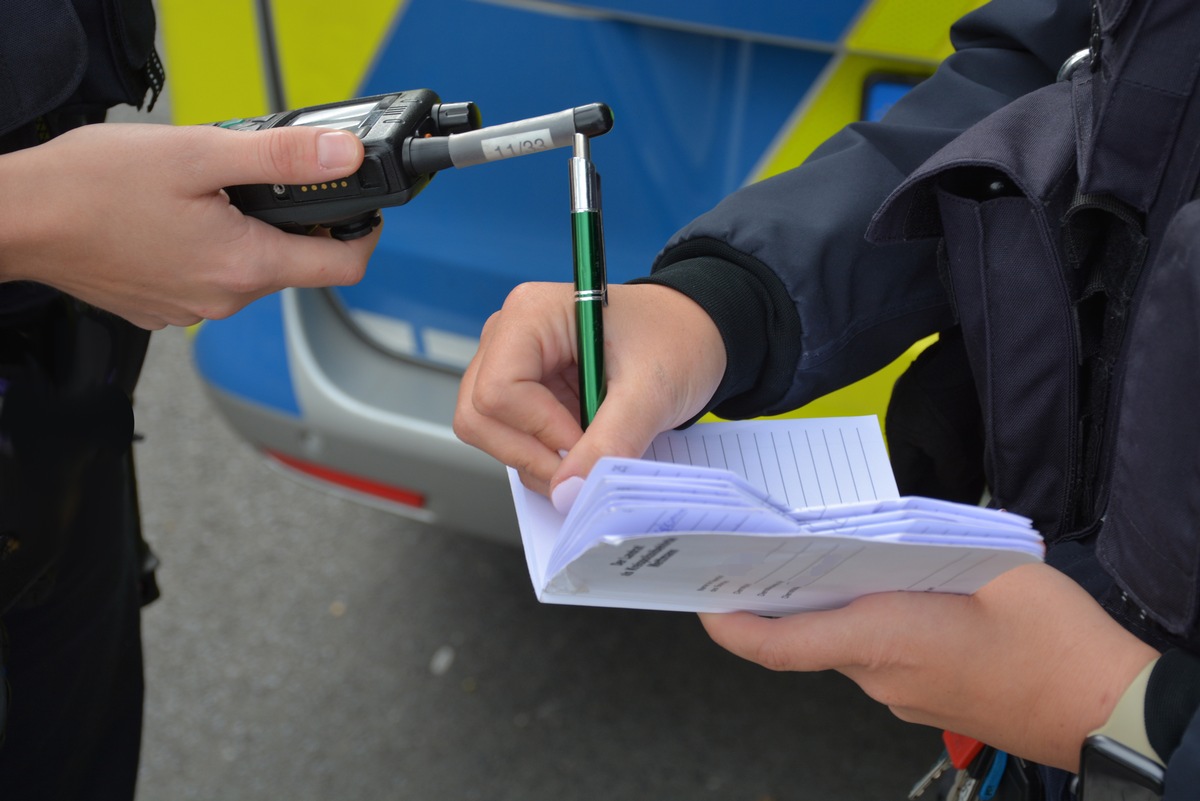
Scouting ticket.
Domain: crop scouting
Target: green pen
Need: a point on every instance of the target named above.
(591, 285)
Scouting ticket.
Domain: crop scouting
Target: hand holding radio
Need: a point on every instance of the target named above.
(133, 219)
(154, 222)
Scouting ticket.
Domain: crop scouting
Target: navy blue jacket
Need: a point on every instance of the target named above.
(806, 305)
(73, 56)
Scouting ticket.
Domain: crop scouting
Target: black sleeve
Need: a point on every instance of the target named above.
(1172, 720)
(804, 304)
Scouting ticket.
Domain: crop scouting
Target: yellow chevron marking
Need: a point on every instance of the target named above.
(891, 36)
(908, 29)
(834, 100)
(212, 56)
(328, 61)
(214, 53)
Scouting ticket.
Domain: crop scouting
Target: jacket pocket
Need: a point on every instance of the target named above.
(994, 196)
(1015, 312)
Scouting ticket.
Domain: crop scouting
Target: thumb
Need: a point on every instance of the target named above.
(809, 641)
(619, 429)
(281, 155)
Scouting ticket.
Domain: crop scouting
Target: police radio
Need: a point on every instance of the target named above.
(407, 138)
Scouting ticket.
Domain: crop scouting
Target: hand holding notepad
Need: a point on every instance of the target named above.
(766, 516)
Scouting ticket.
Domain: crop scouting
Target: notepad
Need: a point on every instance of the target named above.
(767, 516)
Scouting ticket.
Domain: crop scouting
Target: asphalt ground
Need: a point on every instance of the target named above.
(307, 647)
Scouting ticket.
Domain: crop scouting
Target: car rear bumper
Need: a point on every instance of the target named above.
(372, 425)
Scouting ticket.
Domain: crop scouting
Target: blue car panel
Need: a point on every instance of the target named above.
(260, 373)
(690, 127)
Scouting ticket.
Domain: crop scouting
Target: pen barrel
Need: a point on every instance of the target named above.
(591, 296)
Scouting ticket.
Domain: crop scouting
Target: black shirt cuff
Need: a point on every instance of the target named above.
(752, 310)
(1172, 698)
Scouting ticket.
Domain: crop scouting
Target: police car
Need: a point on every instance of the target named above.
(353, 388)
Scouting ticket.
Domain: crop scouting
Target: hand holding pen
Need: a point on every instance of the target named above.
(519, 398)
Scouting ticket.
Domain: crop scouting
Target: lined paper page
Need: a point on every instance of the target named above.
(800, 463)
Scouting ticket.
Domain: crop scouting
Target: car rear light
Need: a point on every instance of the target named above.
(349, 481)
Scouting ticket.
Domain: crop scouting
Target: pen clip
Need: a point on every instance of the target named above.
(585, 181)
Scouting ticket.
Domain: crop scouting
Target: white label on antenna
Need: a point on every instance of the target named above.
(505, 147)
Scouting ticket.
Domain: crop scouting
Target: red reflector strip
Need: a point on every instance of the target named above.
(351, 482)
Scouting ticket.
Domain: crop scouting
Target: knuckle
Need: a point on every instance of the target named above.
(463, 427)
(236, 286)
(148, 322)
(532, 480)
(519, 294)
(221, 311)
(489, 326)
(773, 654)
(905, 714)
(280, 153)
(240, 281)
(525, 295)
(353, 272)
(487, 398)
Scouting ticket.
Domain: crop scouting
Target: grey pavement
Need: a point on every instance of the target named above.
(307, 647)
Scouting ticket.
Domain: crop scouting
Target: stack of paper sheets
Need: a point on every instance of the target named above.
(767, 516)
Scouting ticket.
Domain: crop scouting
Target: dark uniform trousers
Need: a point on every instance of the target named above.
(72, 579)
(75, 660)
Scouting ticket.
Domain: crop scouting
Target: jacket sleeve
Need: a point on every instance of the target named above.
(805, 305)
(1183, 769)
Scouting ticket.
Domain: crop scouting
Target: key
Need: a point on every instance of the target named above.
(942, 765)
(975, 772)
(955, 791)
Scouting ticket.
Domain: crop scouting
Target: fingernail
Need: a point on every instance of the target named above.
(564, 494)
(336, 150)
